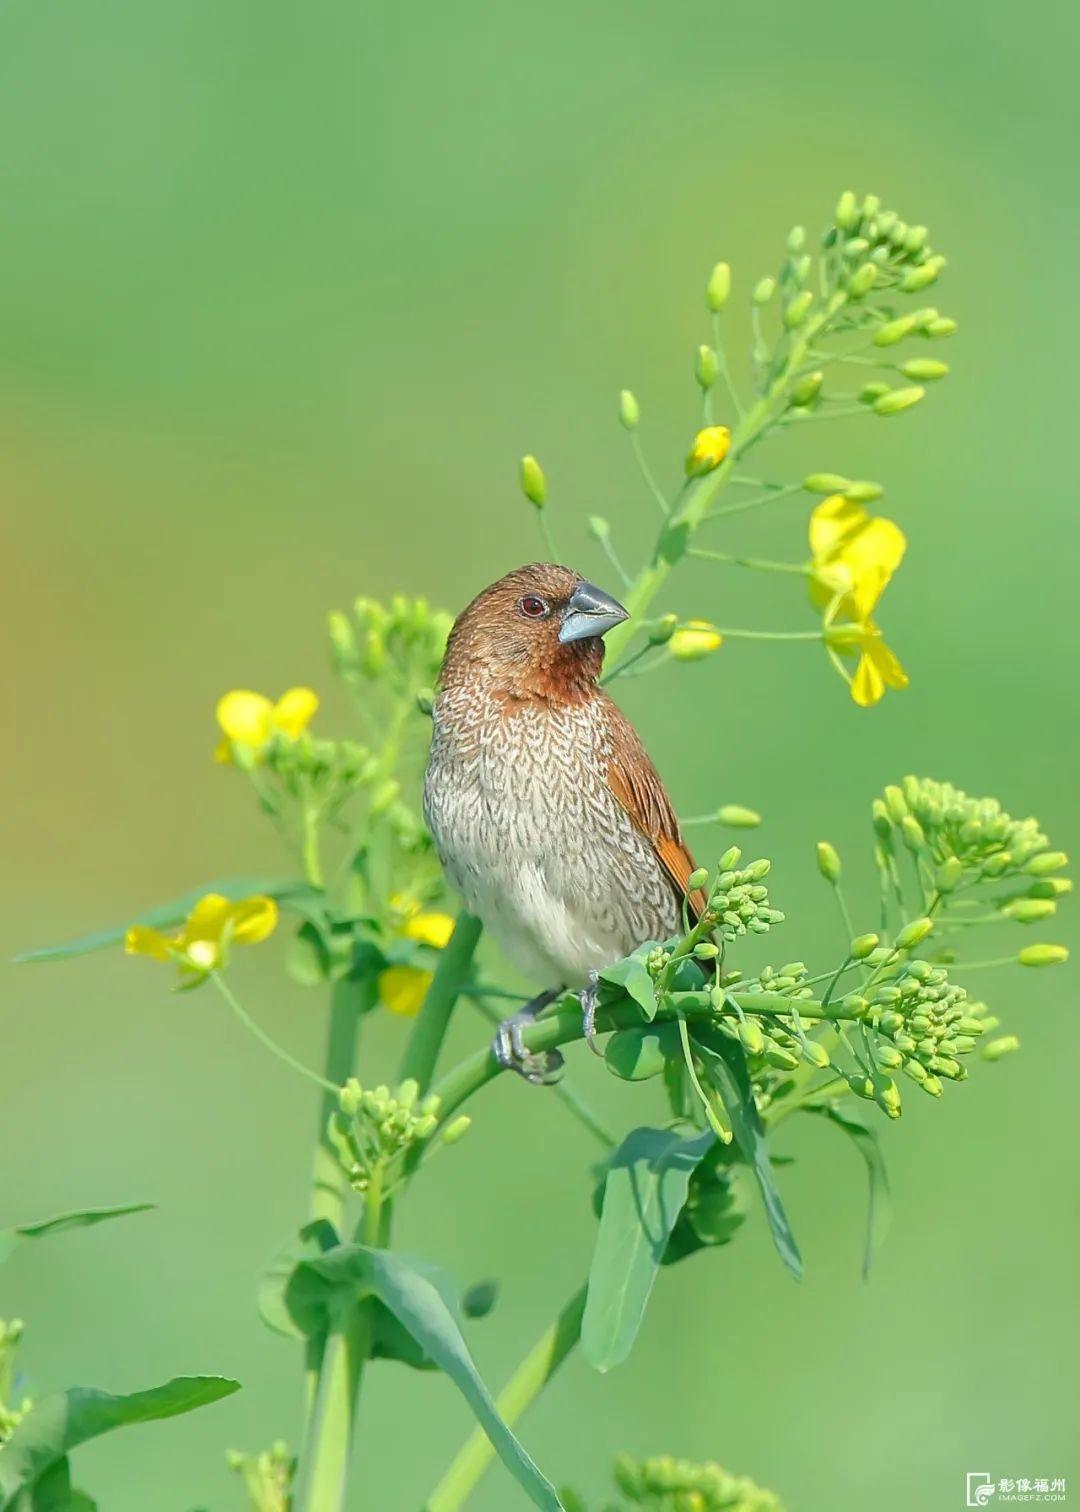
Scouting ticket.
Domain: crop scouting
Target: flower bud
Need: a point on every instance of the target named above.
(915, 239)
(887, 1096)
(914, 934)
(425, 701)
(807, 388)
(719, 287)
(694, 640)
(870, 207)
(826, 483)
(737, 817)
(456, 1129)
(847, 211)
(343, 646)
(1045, 863)
(663, 630)
(870, 392)
(796, 312)
(931, 1084)
(898, 399)
(948, 874)
(1030, 910)
(1004, 1045)
(942, 326)
(599, 528)
(828, 861)
(815, 1052)
(862, 280)
(1050, 887)
(705, 950)
(757, 870)
(710, 447)
(896, 803)
(782, 1059)
(862, 946)
(922, 276)
(863, 491)
(1042, 956)
(894, 331)
(706, 367)
(912, 832)
(629, 413)
(533, 482)
(730, 859)
(753, 1041)
(349, 1097)
(764, 290)
(924, 369)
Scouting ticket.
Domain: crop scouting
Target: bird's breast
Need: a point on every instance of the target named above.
(533, 838)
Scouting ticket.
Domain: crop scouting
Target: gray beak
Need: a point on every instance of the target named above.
(590, 612)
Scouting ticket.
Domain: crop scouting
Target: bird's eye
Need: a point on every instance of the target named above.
(533, 607)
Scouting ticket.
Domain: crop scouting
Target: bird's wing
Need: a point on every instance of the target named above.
(636, 785)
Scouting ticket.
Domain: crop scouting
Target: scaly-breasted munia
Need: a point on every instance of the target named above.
(550, 820)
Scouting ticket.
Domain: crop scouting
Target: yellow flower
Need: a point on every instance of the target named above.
(202, 945)
(250, 719)
(853, 557)
(695, 639)
(404, 988)
(710, 447)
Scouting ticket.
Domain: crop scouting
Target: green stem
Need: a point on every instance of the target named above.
(264, 1039)
(646, 472)
(565, 1025)
(530, 1378)
(324, 1468)
(773, 635)
(455, 963)
(310, 848)
(760, 563)
(545, 531)
(696, 500)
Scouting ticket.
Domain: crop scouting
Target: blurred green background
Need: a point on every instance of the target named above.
(286, 291)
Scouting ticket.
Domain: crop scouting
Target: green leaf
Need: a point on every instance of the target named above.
(479, 1299)
(726, 1062)
(646, 1187)
(640, 1053)
(879, 1213)
(632, 976)
(10, 1239)
(423, 1300)
(60, 1423)
(288, 894)
(313, 1240)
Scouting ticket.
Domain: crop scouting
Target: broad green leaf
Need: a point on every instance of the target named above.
(10, 1239)
(62, 1422)
(632, 976)
(865, 1140)
(313, 1240)
(726, 1062)
(646, 1187)
(424, 1302)
(290, 894)
(642, 1052)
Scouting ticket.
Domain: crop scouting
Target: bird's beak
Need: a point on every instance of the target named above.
(590, 612)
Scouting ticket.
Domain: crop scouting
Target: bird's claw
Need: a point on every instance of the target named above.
(539, 1068)
(590, 999)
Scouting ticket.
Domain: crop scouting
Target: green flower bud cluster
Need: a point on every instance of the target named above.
(986, 840)
(11, 1413)
(374, 1125)
(267, 1477)
(738, 899)
(403, 641)
(924, 1023)
(665, 1484)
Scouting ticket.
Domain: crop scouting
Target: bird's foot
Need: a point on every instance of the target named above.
(589, 997)
(509, 1048)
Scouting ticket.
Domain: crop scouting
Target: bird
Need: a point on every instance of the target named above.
(549, 818)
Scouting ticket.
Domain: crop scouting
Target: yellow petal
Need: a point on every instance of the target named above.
(245, 717)
(430, 929)
(253, 919)
(403, 989)
(695, 639)
(207, 919)
(142, 940)
(868, 588)
(867, 685)
(878, 543)
(834, 519)
(888, 664)
(294, 711)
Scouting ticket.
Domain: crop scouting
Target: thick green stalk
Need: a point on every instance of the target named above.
(530, 1378)
(565, 1025)
(324, 1469)
(687, 516)
(455, 962)
(351, 998)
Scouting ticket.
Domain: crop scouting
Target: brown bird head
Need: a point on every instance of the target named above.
(536, 633)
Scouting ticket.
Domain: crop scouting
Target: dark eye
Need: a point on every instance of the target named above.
(533, 607)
